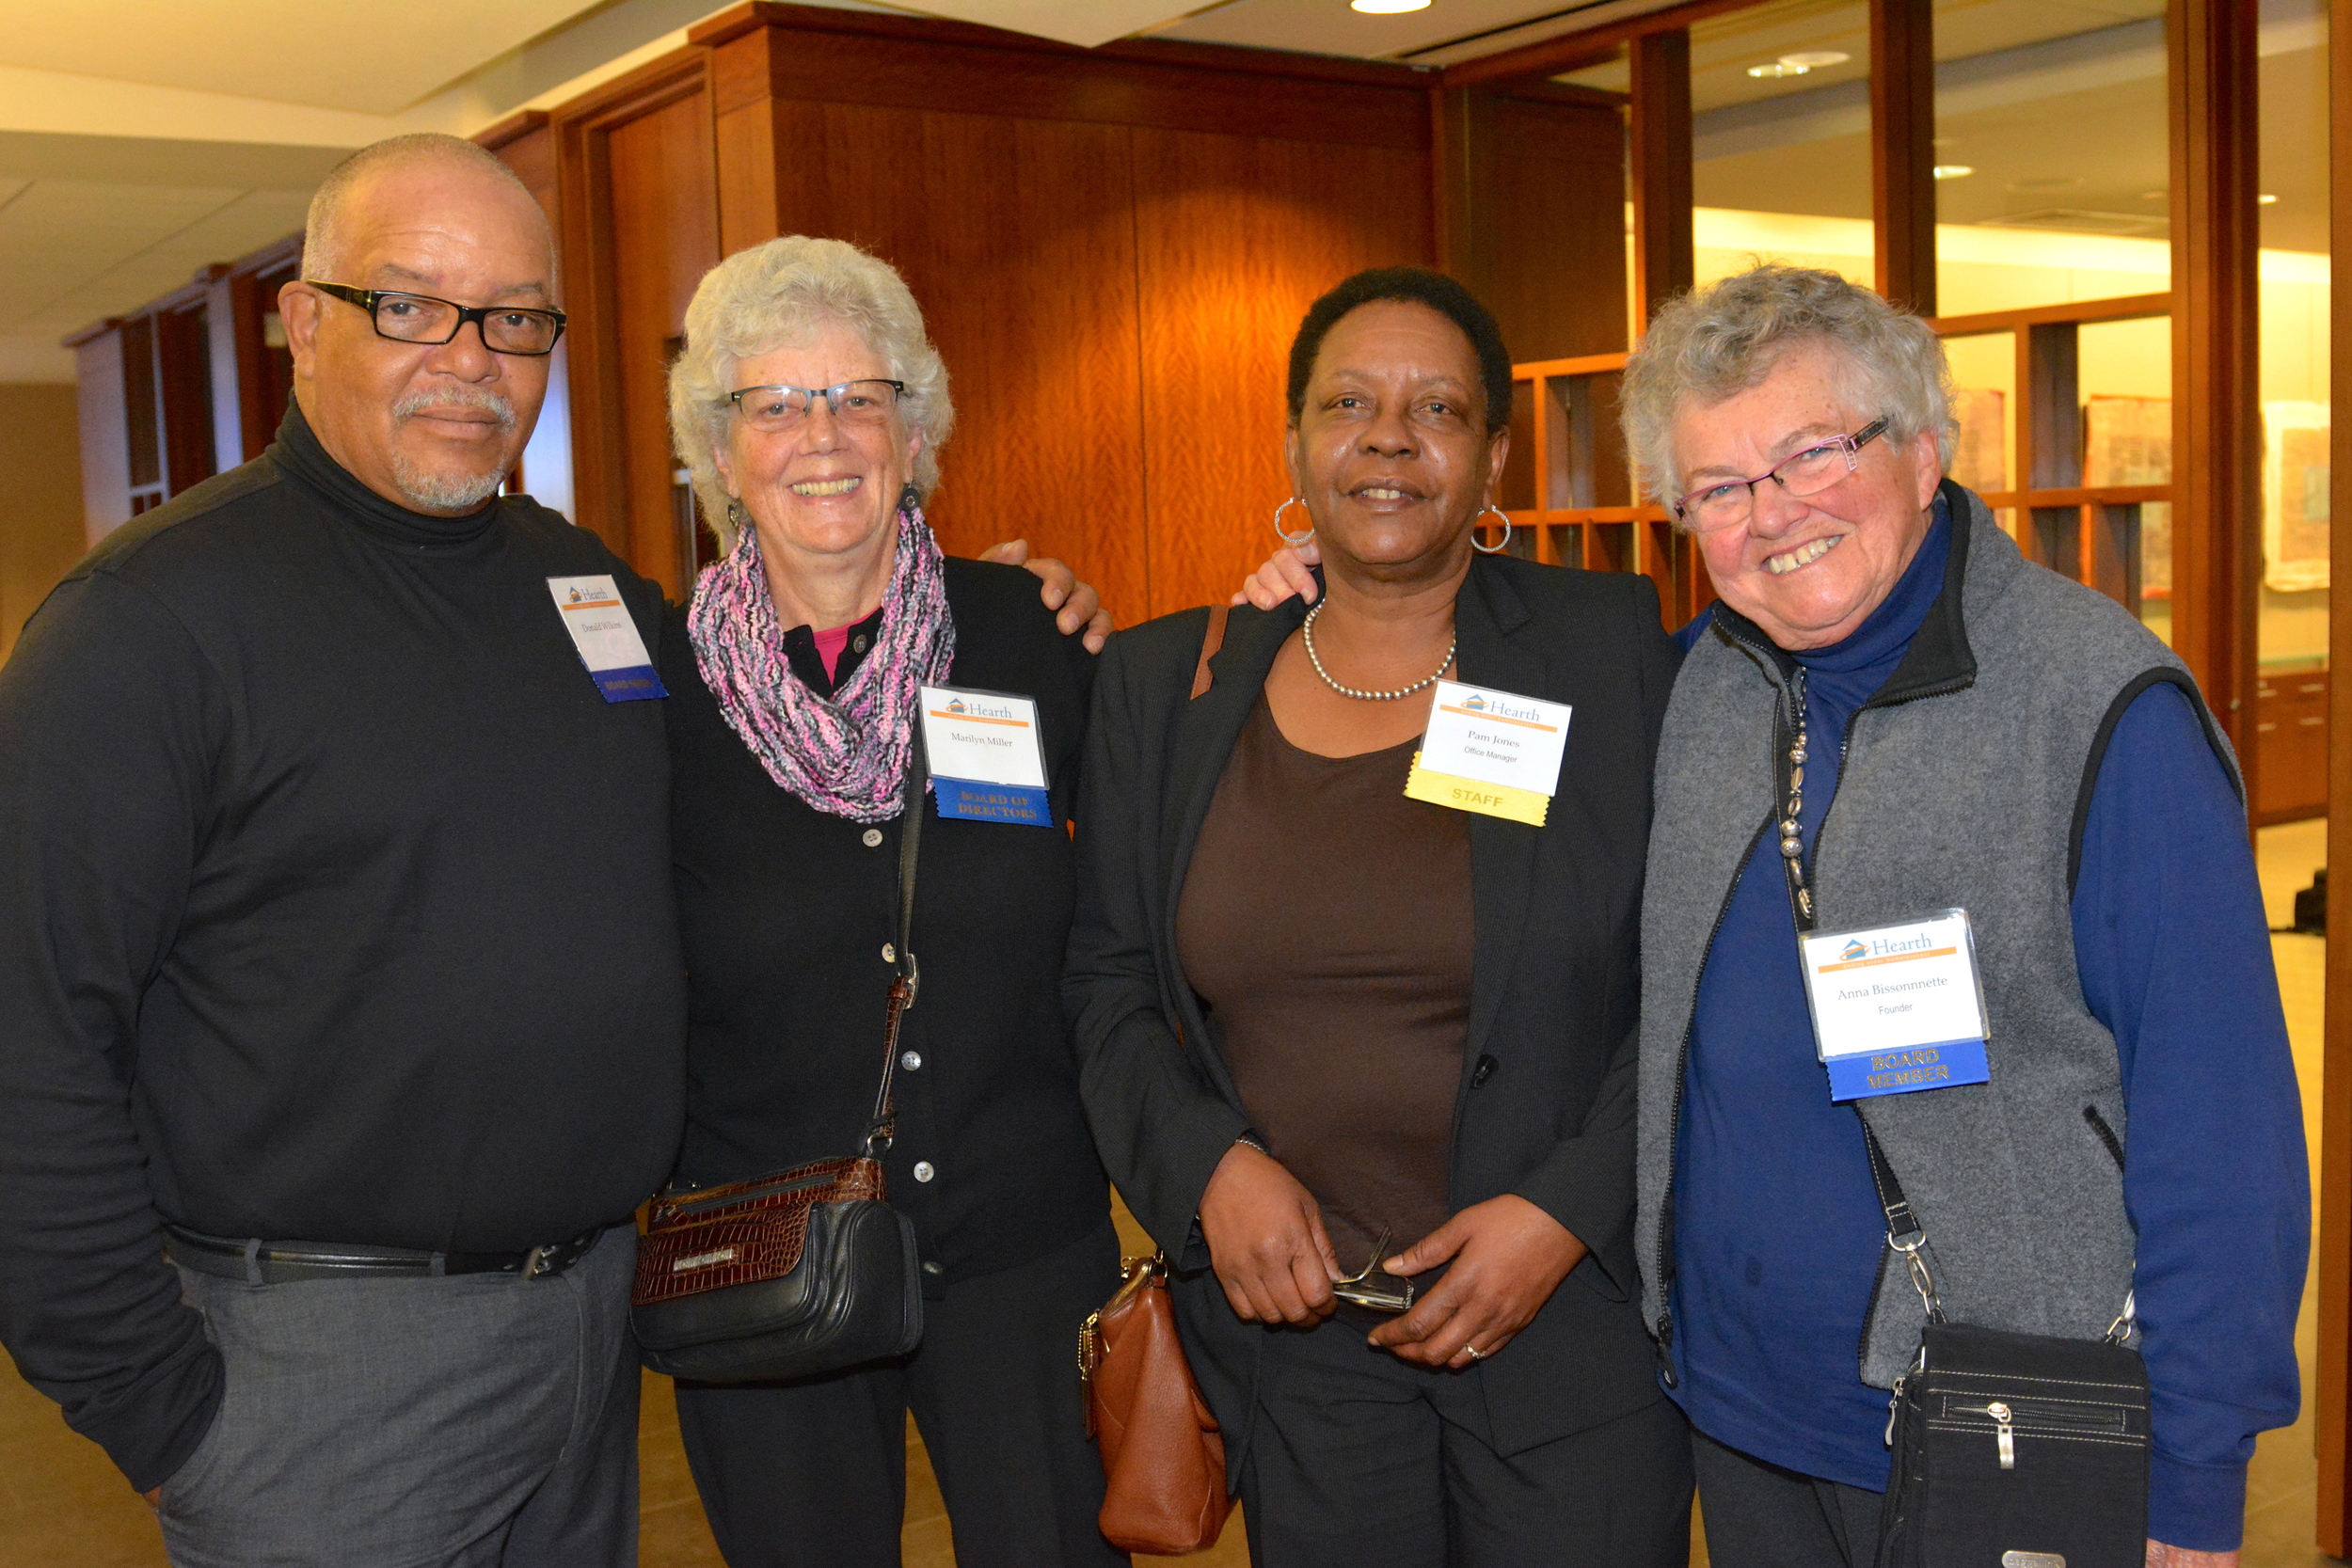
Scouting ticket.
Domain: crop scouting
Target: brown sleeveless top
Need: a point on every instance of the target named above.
(1326, 924)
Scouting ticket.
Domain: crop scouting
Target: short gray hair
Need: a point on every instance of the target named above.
(1717, 341)
(321, 231)
(784, 292)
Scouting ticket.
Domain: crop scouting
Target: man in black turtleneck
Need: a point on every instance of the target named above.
(340, 1003)
(336, 949)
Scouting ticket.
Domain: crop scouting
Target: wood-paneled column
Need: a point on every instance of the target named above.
(2331, 1389)
(743, 122)
(1902, 150)
(1659, 149)
(2217, 411)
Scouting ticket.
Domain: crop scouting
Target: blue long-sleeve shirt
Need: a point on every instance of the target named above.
(1778, 1234)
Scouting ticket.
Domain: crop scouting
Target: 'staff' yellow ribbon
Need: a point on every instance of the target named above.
(1492, 800)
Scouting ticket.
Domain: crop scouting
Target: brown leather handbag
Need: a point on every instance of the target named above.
(1163, 1457)
(804, 1272)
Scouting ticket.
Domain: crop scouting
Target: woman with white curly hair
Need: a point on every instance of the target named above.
(810, 407)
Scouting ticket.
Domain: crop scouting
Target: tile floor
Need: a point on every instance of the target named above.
(63, 1506)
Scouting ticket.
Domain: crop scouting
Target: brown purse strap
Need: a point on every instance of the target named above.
(883, 1127)
(1210, 641)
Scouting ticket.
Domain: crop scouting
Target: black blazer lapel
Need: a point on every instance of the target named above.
(1487, 618)
(1206, 731)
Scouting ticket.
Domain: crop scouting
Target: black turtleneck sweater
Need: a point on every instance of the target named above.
(334, 906)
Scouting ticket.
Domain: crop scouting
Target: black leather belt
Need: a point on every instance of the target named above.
(258, 1263)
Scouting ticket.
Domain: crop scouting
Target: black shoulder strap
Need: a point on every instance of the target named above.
(882, 1127)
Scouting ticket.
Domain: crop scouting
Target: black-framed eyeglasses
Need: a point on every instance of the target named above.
(1729, 502)
(776, 409)
(409, 318)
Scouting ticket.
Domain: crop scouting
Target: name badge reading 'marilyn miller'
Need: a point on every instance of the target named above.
(1490, 752)
(607, 639)
(1897, 1008)
(986, 763)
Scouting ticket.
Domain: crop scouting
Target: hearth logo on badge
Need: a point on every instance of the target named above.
(1474, 702)
(957, 706)
(1853, 950)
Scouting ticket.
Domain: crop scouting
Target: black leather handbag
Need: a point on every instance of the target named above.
(805, 1272)
(2010, 1451)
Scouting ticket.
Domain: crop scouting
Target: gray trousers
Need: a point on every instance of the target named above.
(1760, 1515)
(468, 1421)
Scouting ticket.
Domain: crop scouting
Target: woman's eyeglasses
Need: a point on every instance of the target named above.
(772, 410)
(1731, 502)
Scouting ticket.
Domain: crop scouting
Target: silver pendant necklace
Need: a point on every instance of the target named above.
(1307, 635)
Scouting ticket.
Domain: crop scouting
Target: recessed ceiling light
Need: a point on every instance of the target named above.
(1778, 67)
(1952, 171)
(1816, 59)
(1387, 8)
(2266, 201)
(2154, 196)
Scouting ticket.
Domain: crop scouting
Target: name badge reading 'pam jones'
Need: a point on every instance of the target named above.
(986, 763)
(606, 638)
(1897, 1008)
(1490, 752)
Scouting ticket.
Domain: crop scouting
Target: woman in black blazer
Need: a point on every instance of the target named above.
(1312, 1012)
(809, 404)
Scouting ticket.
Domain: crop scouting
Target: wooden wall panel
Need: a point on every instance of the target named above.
(1235, 237)
(665, 228)
(1902, 150)
(1658, 148)
(1018, 238)
(2330, 1393)
(2217, 430)
(1543, 215)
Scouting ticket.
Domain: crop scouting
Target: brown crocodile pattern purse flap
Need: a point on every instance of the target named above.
(744, 1232)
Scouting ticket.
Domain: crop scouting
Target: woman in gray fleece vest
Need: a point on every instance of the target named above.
(1891, 714)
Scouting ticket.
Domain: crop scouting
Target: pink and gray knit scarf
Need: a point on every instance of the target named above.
(846, 757)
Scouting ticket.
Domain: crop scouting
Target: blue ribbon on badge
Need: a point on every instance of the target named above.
(1908, 1069)
(993, 803)
(636, 684)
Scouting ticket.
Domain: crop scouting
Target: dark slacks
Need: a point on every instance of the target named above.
(813, 1474)
(1760, 1515)
(1356, 1457)
(471, 1421)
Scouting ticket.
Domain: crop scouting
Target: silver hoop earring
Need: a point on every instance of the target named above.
(1495, 549)
(1293, 540)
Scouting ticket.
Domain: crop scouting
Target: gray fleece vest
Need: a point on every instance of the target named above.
(1965, 784)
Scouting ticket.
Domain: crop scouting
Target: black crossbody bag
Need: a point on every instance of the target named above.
(805, 1272)
(2010, 1451)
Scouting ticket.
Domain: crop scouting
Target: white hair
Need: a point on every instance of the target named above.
(1717, 341)
(782, 294)
(322, 235)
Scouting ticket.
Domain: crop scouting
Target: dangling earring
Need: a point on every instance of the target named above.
(738, 521)
(1293, 540)
(1495, 549)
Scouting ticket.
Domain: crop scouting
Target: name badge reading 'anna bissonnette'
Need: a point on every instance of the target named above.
(1490, 752)
(1897, 1008)
(607, 639)
(986, 763)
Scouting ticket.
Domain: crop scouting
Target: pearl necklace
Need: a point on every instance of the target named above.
(1307, 635)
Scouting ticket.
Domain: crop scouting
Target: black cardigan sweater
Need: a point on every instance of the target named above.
(1545, 1108)
(785, 911)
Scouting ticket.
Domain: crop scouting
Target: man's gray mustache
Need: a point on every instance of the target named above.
(435, 403)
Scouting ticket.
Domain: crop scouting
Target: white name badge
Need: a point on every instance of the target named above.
(986, 763)
(607, 639)
(1490, 752)
(1897, 1008)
